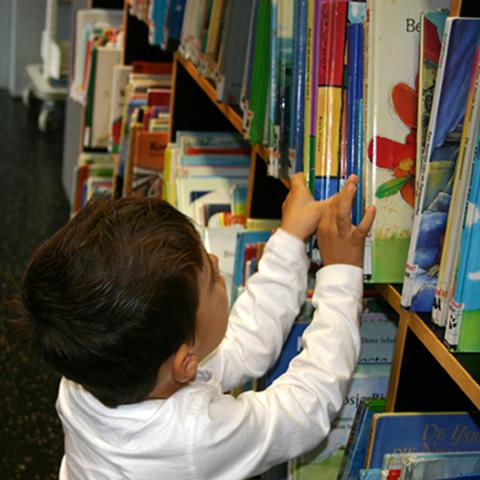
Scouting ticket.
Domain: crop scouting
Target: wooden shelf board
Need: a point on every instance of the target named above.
(391, 295)
(209, 89)
(445, 358)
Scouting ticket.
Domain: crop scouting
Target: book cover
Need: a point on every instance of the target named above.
(354, 104)
(244, 239)
(259, 82)
(462, 332)
(461, 186)
(441, 154)
(119, 82)
(432, 25)
(106, 59)
(420, 432)
(281, 58)
(330, 98)
(390, 131)
(356, 448)
(232, 61)
(297, 99)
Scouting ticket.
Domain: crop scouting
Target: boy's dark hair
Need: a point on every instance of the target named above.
(113, 294)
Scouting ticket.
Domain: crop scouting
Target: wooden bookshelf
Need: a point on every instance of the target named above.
(230, 113)
(410, 322)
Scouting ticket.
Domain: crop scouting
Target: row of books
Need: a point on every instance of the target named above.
(164, 18)
(298, 72)
(411, 445)
(442, 269)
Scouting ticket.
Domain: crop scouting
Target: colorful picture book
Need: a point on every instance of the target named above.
(440, 156)
(390, 129)
(420, 432)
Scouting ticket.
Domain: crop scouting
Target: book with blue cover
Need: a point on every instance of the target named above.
(354, 114)
(356, 449)
(244, 239)
(420, 432)
(462, 331)
(461, 186)
(462, 36)
(297, 98)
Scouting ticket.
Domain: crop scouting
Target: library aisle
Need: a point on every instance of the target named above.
(33, 206)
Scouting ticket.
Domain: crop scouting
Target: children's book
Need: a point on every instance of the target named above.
(330, 98)
(354, 104)
(245, 239)
(119, 82)
(390, 131)
(255, 117)
(297, 97)
(432, 25)
(356, 448)
(281, 59)
(461, 186)
(462, 332)
(441, 152)
(232, 60)
(420, 432)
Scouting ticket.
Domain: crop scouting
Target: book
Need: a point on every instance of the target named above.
(390, 121)
(255, 117)
(420, 432)
(330, 98)
(432, 25)
(97, 122)
(325, 460)
(354, 103)
(245, 239)
(441, 154)
(297, 92)
(232, 61)
(462, 332)
(461, 186)
(437, 465)
(357, 443)
(119, 82)
(85, 21)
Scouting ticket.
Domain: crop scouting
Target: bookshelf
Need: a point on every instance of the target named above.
(426, 376)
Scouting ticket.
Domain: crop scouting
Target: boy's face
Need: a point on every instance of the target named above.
(212, 314)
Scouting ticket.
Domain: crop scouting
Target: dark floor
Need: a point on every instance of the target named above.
(32, 206)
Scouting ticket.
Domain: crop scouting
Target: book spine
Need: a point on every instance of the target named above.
(330, 94)
(410, 268)
(458, 201)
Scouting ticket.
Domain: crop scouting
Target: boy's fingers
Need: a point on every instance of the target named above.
(344, 208)
(297, 180)
(367, 221)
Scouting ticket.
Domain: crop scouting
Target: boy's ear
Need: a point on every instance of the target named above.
(185, 364)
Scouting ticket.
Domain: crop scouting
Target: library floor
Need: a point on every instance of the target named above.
(32, 205)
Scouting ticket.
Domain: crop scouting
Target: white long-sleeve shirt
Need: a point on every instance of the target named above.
(202, 433)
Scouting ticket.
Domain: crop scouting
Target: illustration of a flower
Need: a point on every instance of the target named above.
(398, 157)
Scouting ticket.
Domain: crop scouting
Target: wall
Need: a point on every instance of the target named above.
(5, 14)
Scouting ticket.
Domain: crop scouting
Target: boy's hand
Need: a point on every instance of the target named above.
(300, 212)
(338, 240)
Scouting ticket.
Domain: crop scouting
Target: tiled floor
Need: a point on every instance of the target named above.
(32, 206)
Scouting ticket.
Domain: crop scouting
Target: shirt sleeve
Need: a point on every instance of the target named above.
(257, 430)
(263, 314)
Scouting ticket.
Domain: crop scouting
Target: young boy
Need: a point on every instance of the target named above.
(125, 303)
